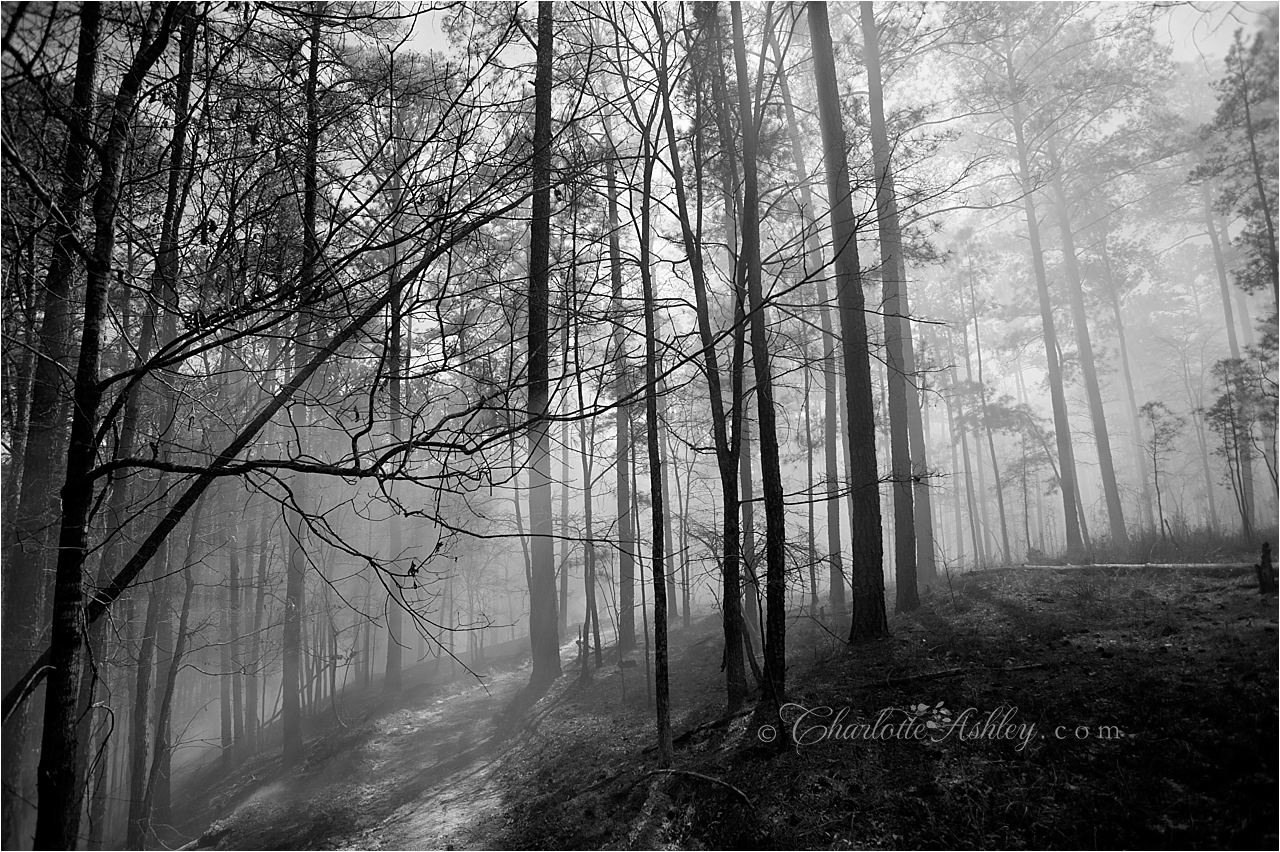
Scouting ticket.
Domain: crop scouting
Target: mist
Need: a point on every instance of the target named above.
(391, 383)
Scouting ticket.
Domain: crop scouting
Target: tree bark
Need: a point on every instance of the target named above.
(770, 462)
(903, 395)
(591, 617)
(29, 536)
(58, 817)
(868, 551)
(816, 268)
(140, 742)
(672, 611)
(543, 635)
(657, 554)
(727, 463)
(626, 561)
(1113, 288)
(976, 534)
(1088, 367)
(1224, 289)
(986, 427)
(1061, 425)
(396, 359)
(291, 713)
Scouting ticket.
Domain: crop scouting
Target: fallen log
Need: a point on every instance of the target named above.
(1142, 565)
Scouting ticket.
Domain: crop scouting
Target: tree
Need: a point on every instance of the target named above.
(904, 401)
(726, 455)
(1165, 427)
(1242, 151)
(658, 553)
(815, 267)
(542, 601)
(771, 475)
(868, 568)
(27, 539)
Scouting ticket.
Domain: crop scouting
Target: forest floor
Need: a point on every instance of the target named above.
(1153, 695)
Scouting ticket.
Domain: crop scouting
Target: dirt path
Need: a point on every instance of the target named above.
(439, 760)
(417, 775)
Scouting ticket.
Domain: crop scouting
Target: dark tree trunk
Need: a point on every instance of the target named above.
(657, 554)
(542, 589)
(626, 544)
(58, 817)
(903, 396)
(140, 742)
(770, 464)
(746, 493)
(396, 363)
(664, 446)
(158, 777)
(868, 548)
(566, 450)
(814, 267)
(28, 536)
(734, 666)
(591, 617)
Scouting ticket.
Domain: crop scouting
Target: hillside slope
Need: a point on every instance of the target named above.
(1152, 694)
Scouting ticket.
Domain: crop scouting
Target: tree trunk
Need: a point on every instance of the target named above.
(397, 362)
(1224, 288)
(868, 554)
(626, 563)
(237, 634)
(226, 544)
(808, 476)
(591, 617)
(543, 635)
(565, 451)
(670, 573)
(1126, 370)
(28, 536)
(735, 671)
(159, 775)
(746, 493)
(903, 395)
(58, 818)
(258, 538)
(770, 463)
(1089, 369)
(986, 427)
(815, 268)
(957, 519)
(1259, 180)
(1061, 425)
(291, 713)
(976, 536)
(163, 292)
(659, 532)
(140, 738)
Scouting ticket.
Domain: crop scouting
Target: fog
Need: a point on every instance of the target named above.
(352, 348)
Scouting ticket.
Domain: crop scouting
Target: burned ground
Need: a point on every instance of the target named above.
(1153, 694)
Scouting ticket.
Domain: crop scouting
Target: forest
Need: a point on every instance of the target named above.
(358, 355)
